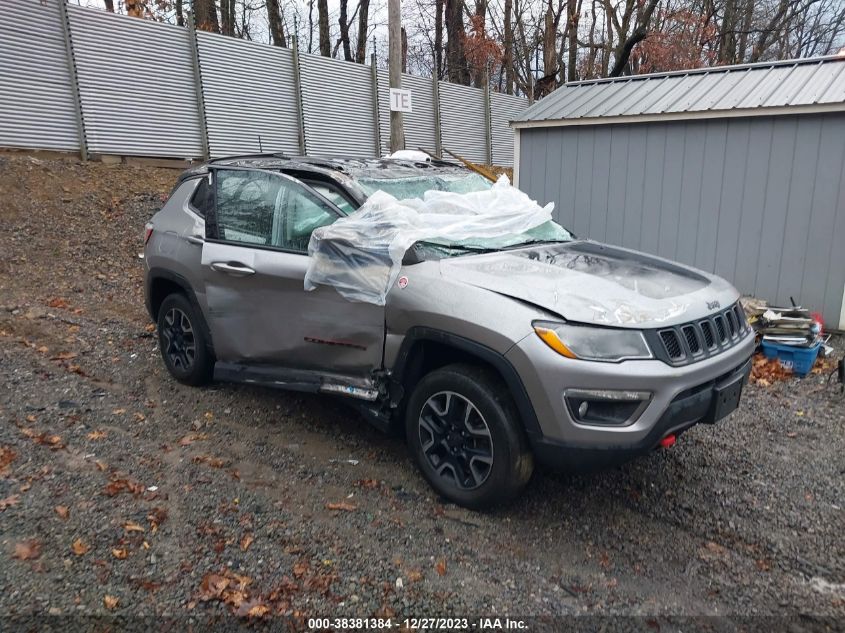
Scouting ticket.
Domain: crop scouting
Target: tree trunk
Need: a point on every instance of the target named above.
(573, 11)
(274, 18)
(478, 79)
(343, 22)
(323, 21)
(180, 13)
(622, 52)
(205, 16)
(404, 50)
(507, 56)
(227, 17)
(363, 22)
(456, 63)
(438, 38)
(109, 6)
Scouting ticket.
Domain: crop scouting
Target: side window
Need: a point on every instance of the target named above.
(260, 208)
(203, 197)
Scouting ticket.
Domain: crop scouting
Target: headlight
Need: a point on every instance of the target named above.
(593, 343)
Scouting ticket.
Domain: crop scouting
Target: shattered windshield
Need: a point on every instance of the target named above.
(416, 186)
(549, 231)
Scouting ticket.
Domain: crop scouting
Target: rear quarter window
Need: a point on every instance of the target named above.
(203, 198)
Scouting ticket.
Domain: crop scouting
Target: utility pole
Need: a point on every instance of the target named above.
(394, 58)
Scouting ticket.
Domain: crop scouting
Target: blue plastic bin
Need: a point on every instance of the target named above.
(799, 359)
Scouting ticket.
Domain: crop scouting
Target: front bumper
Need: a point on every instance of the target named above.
(681, 397)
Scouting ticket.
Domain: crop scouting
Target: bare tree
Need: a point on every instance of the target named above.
(323, 22)
(274, 20)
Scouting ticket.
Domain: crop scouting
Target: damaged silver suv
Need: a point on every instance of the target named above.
(489, 356)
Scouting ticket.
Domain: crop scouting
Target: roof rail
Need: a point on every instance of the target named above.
(255, 155)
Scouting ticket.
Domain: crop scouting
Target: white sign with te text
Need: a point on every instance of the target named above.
(400, 100)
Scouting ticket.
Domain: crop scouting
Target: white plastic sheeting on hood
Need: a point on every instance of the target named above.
(361, 254)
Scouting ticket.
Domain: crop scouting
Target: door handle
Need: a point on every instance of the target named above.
(195, 239)
(235, 269)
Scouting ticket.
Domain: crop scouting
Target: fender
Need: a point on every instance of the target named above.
(162, 273)
(492, 357)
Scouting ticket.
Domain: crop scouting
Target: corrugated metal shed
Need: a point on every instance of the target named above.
(248, 93)
(463, 121)
(504, 109)
(338, 103)
(419, 124)
(136, 83)
(37, 108)
(786, 87)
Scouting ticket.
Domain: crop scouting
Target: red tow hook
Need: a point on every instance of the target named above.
(668, 441)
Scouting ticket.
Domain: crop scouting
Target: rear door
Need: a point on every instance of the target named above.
(254, 261)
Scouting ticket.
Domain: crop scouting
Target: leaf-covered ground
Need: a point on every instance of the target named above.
(122, 492)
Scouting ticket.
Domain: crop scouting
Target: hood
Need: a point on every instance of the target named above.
(589, 282)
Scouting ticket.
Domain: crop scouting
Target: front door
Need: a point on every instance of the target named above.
(254, 262)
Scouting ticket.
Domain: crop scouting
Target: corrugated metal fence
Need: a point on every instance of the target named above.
(74, 78)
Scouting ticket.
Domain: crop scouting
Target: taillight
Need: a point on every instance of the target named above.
(148, 231)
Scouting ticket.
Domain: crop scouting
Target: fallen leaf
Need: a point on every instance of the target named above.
(792, 434)
(254, 608)
(140, 417)
(101, 466)
(110, 602)
(64, 356)
(97, 435)
(46, 439)
(367, 483)
(342, 505)
(246, 541)
(213, 586)
(120, 553)
(214, 462)
(118, 411)
(79, 547)
(129, 526)
(299, 568)
(57, 302)
(441, 567)
(7, 456)
(191, 438)
(43, 349)
(9, 501)
(415, 575)
(62, 511)
(27, 550)
(116, 486)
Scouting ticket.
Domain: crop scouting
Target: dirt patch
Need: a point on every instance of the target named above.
(123, 492)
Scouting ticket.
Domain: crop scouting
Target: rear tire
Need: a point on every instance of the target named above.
(183, 342)
(465, 435)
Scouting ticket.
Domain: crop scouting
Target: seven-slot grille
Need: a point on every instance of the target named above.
(697, 340)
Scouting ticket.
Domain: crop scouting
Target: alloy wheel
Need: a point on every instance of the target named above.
(456, 440)
(179, 342)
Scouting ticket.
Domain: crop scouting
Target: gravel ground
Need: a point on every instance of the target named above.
(125, 493)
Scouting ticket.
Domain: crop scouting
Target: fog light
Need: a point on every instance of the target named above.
(606, 407)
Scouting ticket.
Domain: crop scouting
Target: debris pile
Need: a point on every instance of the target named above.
(793, 326)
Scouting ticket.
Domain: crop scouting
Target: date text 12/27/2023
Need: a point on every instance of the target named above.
(419, 624)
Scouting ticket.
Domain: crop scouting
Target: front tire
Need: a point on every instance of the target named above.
(463, 431)
(183, 343)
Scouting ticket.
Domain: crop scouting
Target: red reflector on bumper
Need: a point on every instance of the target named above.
(668, 441)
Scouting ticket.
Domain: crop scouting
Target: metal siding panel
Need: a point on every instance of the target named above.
(338, 106)
(628, 94)
(654, 158)
(463, 123)
(600, 177)
(419, 124)
(780, 165)
(768, 86)
(504, 109)
(730, 204)
(817, 277)
(659, 88)
(711, 97)
(673, 166)
(249, 92)
(592, 100)
(716, 147)
(564, 197)
(37, 108)
(136, 85)
(617, 193)
(754, 203)
(667, 103)
(585, 147)
(689, 208)
(796, 229)
(835, 290)
(835, 93)
(635, 183)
